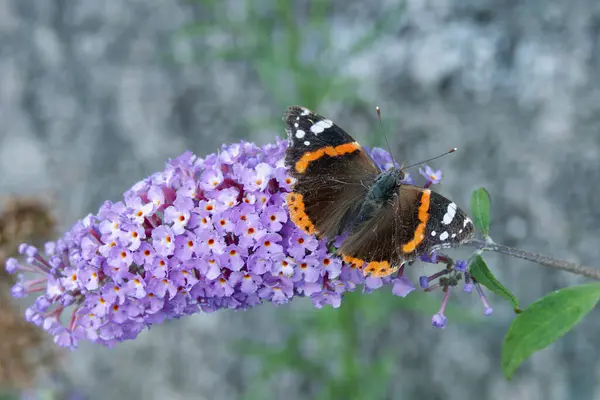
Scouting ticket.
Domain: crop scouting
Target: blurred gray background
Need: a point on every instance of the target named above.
(95, 95)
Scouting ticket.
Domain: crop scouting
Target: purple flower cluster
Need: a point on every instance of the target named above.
(204, 234)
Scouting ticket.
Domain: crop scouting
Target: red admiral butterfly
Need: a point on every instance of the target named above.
(340, 190)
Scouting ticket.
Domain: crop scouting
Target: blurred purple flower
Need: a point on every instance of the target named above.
(460, 265)
(439, 319)
(430, 257)
(402, 286)
(487, 310)
(468, 288)
(433, 177)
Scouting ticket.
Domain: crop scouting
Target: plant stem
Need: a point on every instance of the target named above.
(573, 268)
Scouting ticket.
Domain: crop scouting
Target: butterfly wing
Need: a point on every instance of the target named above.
(332, 171)
(414, 222)
(446, 226)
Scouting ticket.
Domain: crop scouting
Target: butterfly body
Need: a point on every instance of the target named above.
(340, 190)
(382, 191)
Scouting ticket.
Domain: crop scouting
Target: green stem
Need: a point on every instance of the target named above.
(490, 245)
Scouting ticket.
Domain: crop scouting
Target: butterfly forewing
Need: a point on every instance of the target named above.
(332, 173)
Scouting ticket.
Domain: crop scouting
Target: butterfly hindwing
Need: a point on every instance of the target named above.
(372, 245)
(378, 241)
(332, 173)
(414, 222)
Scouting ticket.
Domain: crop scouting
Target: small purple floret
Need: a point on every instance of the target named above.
(18, 291)
(12, 265)
(461, 265)
(487, 310)
(439, 321)
(31, 251)
(430, 258)
(433, 176)
(424, 282)
(402, 286)
(23, 248)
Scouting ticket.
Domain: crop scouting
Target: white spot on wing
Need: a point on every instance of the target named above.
(300, 133)
(450, 213)
(306, 142)
(433, 233)
(321, 126)
(444, 235)
(453, 235)
(316, 129)
(306, 111)
(295, 124)
(466, 222)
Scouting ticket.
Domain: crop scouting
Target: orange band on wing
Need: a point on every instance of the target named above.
(295, 202)
(331, 151)
(423, 218)
(354, 262)
(380, 269)
(374, 268)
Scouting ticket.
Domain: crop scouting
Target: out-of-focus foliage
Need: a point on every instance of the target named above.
(289, 49)
(336, 335)
(24, 348)
(22, 219)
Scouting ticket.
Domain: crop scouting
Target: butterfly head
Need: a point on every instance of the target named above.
(386, 185)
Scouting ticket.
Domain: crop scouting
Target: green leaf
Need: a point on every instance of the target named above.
(544, 321)
(480, 210)
(480, 271)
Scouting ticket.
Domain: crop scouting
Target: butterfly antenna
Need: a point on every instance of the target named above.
(452, 150)
(384, 135)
